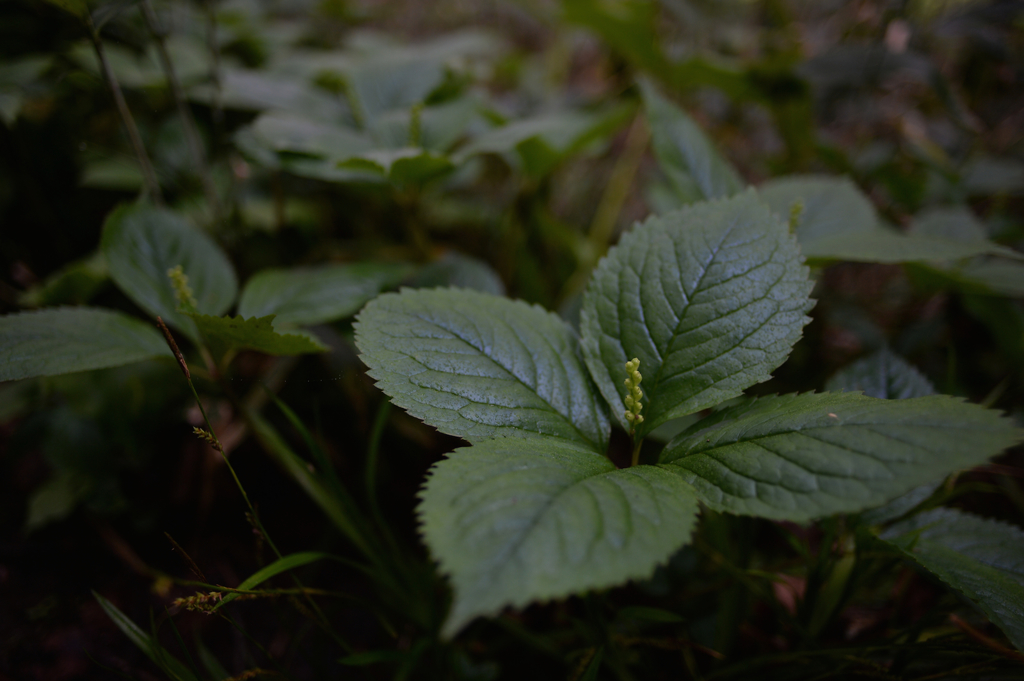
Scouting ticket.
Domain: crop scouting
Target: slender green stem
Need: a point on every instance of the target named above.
(637, 443)
(188, 122)
(152, 186)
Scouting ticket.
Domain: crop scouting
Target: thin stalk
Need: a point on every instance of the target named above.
(252, 509)
(152, 186)
(188, 122)
(637, 444)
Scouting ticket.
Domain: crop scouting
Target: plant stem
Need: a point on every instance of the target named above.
(637, 443)
(152, 186)
(188, 122)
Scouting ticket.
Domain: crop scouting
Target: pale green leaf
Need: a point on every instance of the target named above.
(282, 564)
(460, 271)
(514, 521)
(68, 339)
(800, 457)
(169, 664)
(255, 333)
(479, 366)
(142, 243)
(73, 284)
(710, 298)
(400, 166)
(293, 132)
(882, 374)
(316, 295)
(55, 499)
(958, 224)
(837, 222)
(981, 558)
(685, 154)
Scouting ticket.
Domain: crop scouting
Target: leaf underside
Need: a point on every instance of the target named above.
(981, 558)
(478, 366)
(513, 521)
(710, 298)
(800, 457)
(68, 339)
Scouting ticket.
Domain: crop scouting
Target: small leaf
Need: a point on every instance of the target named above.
(236, 333)
(884, 375)
(282, 564)
(983, 559)
(169, 664)
(710, 299)
(316, 295)
(459, 271)
(68, 339)
(685, 153)
(142, 243)
(74, 284)
(514, 521)
(55, 499)
(479, 366)
(800, 457)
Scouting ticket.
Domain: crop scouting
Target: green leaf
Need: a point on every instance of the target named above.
(282, 564)
(685, 153)
(55, 499)
(460, 271)
(882, 374)
(958, 224)
(237, 333)
(400, 166)
(800, 457)
(983, 559)
(839, 223)
(68, 339)
(479, 366)
(710, 298)
(142, 243)
(316, 295)
(886, 375)
(169, 664)
(293, 132)
(514, 521)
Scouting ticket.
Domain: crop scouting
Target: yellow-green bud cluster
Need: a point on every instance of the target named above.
(633, 403)
(182, 291)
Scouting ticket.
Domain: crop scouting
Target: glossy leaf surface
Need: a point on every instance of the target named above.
(710, 298)
(514, 521)
(800, 457)
(479, 366)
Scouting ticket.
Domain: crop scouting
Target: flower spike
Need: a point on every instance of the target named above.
(632, 400)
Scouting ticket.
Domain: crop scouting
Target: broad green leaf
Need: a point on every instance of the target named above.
(169, 664)
(55, 499)
(685, 153)
(282, 564)
(479, 366)
(710, 298)
(15, 76)
(988, 175)
(249, 90)
(838, 222)
(68, 339)
(981, 558)
(142, 243)
(316, 295)
(800, 457)
(254, 333)
(958, 224)
(882, 374)
(513, 521)
(887, 376)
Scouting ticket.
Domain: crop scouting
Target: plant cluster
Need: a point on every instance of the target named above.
(724, 453)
